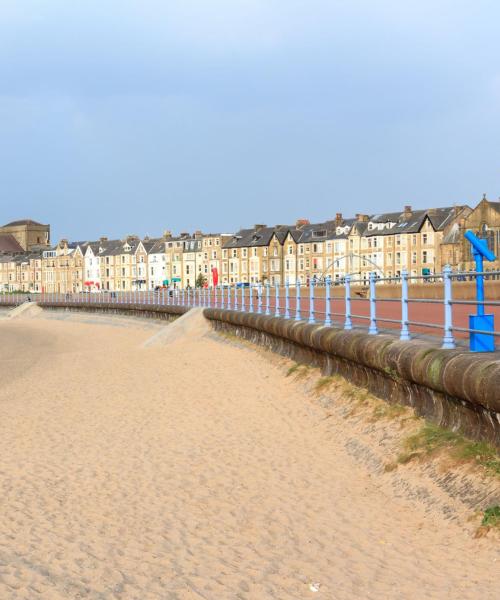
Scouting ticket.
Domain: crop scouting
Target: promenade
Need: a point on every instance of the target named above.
(197, 470)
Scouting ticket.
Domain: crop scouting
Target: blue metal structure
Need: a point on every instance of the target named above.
(480, 323)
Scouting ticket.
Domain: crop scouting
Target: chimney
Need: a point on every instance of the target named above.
(432, 212)
(103, 239)
(259, 226)
(198, 234)
(301, 222)
(361, 217)
(407, 211)
(338, 219)
(167, 234)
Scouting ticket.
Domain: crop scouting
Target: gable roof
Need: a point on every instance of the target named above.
(253, 238)
(412, 222)
(9, 244)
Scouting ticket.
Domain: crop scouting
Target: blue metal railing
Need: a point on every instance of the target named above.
(328, 303)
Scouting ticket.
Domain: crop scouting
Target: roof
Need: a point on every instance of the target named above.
(248, 238)
(158, 247)
(9, 244)
(411, 222)
(24, 222)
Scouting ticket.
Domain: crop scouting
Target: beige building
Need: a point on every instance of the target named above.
(29, 234)
(484, 221)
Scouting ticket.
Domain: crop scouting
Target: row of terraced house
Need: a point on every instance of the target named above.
(418, 241)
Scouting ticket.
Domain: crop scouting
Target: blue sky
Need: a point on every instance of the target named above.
(122, 116)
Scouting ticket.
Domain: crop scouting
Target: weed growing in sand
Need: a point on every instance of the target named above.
(432, 439)
(293, 369)
(324, 383)
(491, 517)
(389, 411)
(300, 371)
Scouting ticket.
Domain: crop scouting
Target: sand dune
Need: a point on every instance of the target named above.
(196, 471)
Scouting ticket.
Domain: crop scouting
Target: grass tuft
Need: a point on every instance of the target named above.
(324, 383)
(299, 370)
(432, 439)
(388, 411)
(293, 369)
(491, 517)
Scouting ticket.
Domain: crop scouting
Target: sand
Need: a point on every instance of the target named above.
(196, 470)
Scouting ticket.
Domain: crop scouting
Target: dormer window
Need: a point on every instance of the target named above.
(370, 226)
(320, 233)
(127, 248)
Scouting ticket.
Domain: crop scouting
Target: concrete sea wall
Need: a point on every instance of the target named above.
(453, 388)
(152, 311)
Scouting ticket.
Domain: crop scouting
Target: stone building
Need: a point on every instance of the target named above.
(29, 234)
(484, 221)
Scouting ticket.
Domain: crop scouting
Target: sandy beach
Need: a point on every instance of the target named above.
(196, 470)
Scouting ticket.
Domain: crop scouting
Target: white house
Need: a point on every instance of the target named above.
(157, 259)
(91, 270)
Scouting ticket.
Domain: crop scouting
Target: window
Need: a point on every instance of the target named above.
(424, 256)
(414, 240)
(424, 239)
(290, 249)
(413, 258)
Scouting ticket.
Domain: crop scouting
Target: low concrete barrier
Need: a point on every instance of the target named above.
(152, 311)
(453, 388)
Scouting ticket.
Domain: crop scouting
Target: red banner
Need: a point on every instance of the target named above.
(215, 276)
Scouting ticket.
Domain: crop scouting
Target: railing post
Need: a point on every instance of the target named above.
(448, 340)
(311, 302)
(242, 299)
(287, 298)
(276, 300)
(268, 298)
(297, 301)
(348, 322)
(328, 320)
(405, 332)
(250, 299)
(372, 330)
(259, 298)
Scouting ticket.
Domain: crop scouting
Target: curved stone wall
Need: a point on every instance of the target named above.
(453, 388)
(153, 311)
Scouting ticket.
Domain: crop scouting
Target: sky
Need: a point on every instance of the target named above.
(136, 116)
